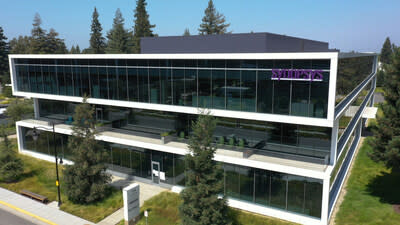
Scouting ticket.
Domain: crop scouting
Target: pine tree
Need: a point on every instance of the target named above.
(117, 36)
(201, 204)
(11, 167)
(142, 27)
(86, 181)
(72, 50)
(38, 36)
(213, 22)
(20, 45)
(186, 32)
(97, 41)
(77, 49)
(4, 51)
(386, 52)
(54, 45)
(386, 142)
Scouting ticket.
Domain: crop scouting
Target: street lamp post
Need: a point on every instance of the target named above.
(35, 136)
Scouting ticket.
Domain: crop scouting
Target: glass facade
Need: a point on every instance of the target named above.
(272, 189)
(309, 141)
(239, 85)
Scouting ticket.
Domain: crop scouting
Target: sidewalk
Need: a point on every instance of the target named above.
(40, 211)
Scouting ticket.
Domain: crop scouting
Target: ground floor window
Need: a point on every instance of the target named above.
(273, 189)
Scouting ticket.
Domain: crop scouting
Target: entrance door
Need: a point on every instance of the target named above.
(155, 172)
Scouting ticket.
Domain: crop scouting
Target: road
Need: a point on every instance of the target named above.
(8, 218)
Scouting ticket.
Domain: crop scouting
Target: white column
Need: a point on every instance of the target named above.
(36, 108)
(334, 139)
(325, 201)
(19, 138)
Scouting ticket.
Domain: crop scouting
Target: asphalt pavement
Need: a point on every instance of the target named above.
(7, 218)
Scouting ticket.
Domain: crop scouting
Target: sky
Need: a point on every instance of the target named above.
(359, 25)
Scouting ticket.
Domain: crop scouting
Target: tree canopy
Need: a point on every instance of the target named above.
(386, 52)
(4, 51)
(118, 37)
(142, 27)
(86, 180)
(97, 41)
(213, 22)
(387, 134)
(204, 179)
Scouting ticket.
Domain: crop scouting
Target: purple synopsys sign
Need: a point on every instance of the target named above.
(297, 74)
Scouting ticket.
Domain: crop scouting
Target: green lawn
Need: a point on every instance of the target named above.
(372, 189)
(39, 177)
(163, 210)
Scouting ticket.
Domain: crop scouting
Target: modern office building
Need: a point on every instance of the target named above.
(290, 113)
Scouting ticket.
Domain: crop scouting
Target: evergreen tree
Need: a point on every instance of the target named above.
(54, 45)
(386, 142)
(97, 41)
(11, 167)
(117, 36)
(142, 27)
(386, 52)
(72, 50)
(77, 49)
(86, 181)
(201, 204)
(20, 45)
(4, 51)
(187, 32)
(38, 36)
(213, 22)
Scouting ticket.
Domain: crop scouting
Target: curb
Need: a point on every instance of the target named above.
(27, 213)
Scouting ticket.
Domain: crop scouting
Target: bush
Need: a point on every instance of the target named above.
(11, 167)
(7, 91)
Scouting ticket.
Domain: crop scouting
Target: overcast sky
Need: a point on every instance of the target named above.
(360, 25)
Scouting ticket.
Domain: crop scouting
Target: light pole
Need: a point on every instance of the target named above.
(35, 136)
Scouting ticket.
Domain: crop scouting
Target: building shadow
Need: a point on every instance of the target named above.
(386, 187)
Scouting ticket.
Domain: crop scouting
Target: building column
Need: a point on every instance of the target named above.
(334, 139)
(19, 138)
(36, 108)
(325, 201)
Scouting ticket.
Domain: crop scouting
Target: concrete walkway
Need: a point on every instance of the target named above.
(39, 211)
(146, 191)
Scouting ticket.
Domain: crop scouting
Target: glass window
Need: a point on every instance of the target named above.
(300, 98)
(154, 78)
(278, 190)
(62, 85)
(178, 76)
(262, 186)
(94, 82)
(69, 79)
(319, 97)
(143, 74)
(313, 197)
(204, 89)
(232, 181)
(85, 81)
(133, 84)
(264, 92)
(103, 82)
(76, 71)
(281, 97)
(246, 183)
(179, 170)
(248, 89)
(112, 82)
(122, 84)
(190, 97)
(232, 89)
(295, 198)
(166, 86)
(218, 89)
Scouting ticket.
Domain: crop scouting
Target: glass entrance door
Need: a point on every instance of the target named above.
(155, 172)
